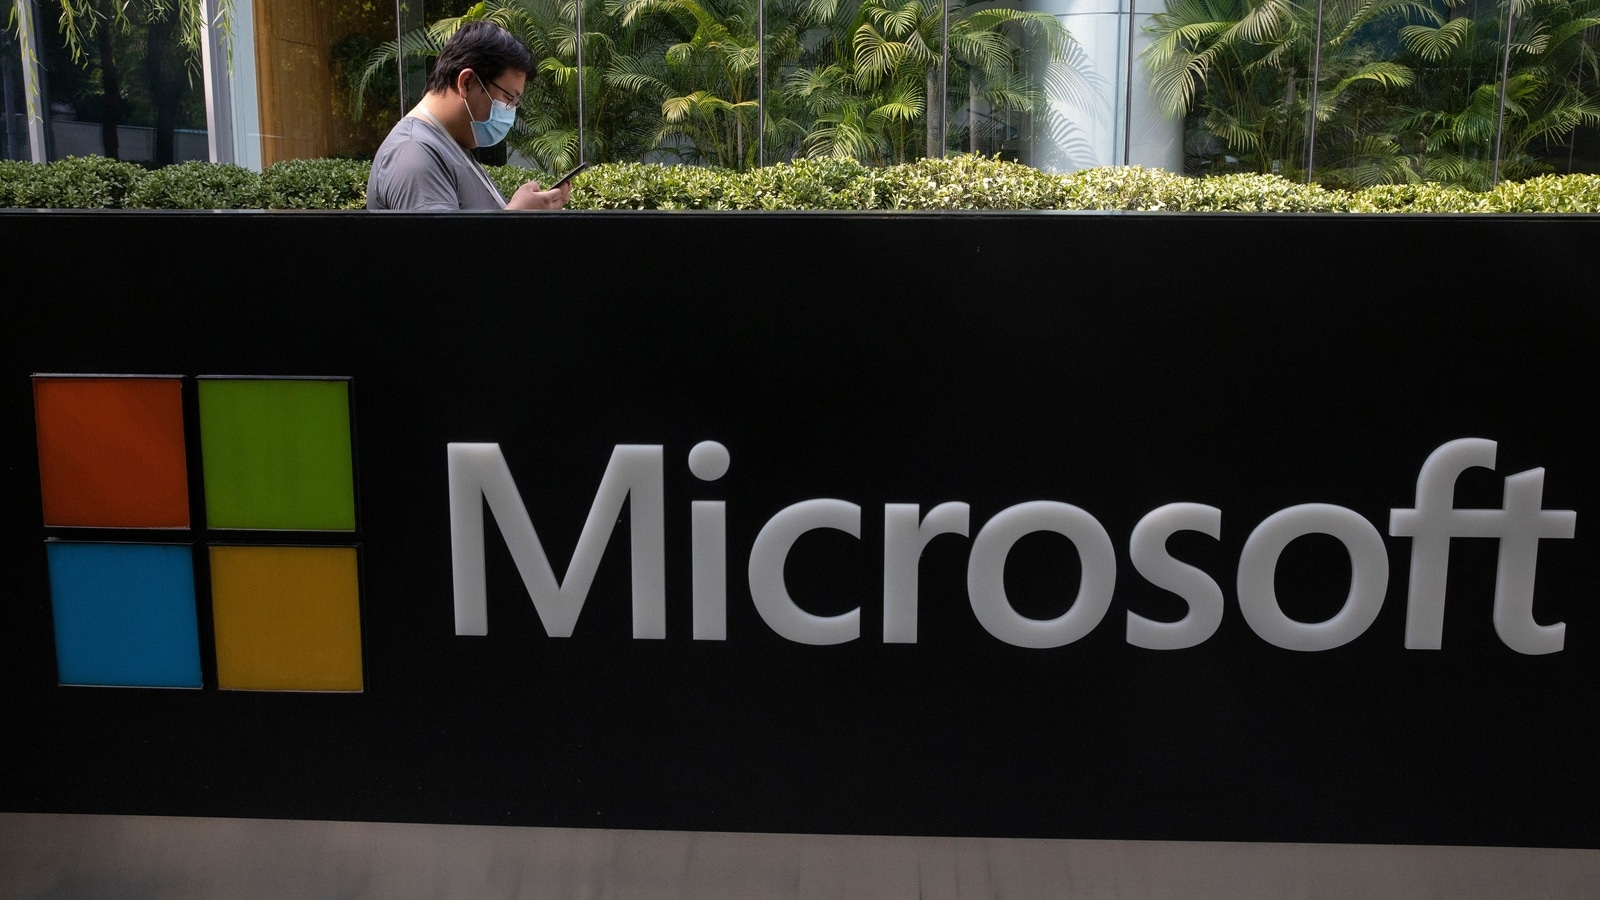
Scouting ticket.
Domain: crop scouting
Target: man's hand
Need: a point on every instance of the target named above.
(529, 196)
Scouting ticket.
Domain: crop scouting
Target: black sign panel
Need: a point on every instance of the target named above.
(1059, 377)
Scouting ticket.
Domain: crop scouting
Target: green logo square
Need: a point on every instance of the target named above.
(276, 454)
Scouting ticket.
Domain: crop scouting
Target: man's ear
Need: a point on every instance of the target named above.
(464, 78)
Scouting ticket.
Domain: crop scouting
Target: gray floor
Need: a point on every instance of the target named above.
(52, 856)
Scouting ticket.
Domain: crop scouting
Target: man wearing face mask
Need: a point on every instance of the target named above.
(471, 101)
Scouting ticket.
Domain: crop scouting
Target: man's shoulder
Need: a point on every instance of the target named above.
(412, 170)
(410, 136)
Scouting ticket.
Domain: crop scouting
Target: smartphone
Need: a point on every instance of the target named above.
(568, 177)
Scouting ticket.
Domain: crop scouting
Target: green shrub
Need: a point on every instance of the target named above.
(316, 184)
(1423, 198)
(651, 186)
(1123, 187)
(12, 174)
(78, 182)
(967, 182)
(199, 185)
(1547, 193)
(814, 184)
(958, 183)
(1258, 193)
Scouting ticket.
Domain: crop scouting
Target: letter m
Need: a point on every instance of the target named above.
(633, 474)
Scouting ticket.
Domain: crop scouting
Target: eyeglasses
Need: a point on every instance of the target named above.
(516, 99)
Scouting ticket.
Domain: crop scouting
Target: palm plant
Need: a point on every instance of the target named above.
(1406, 89)
(877, 90)
(1243, 72)
(617, 126)
(682, 77)
(1552, 87)
(705, 79)
(854, 117)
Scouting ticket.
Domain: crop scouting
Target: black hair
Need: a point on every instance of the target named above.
(485, 48)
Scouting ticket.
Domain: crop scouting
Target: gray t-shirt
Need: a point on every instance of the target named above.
(420, 167)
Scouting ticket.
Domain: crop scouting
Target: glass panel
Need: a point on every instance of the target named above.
(1155, 134)
(1240, 72)
(1407, 92)
(358, 29)
(686, 73)
(1014, 74)
(1445, 120)
(303, 49)
(1082, 83)
(546, 136)
(799, 39)
(1555, 83)
(125, 88)
(859, 79)
(815, 106)
(411, 69)
(13, 97)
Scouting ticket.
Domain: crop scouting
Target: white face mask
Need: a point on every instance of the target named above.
(494, 129)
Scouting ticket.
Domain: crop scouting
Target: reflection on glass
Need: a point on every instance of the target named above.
(122, 86)
(1404, 90)
(695, 64)
(1084, 88)
(1443, 121)
(303, 49)
(1013, 75)
(1239, 72)
(13, 97)
(1552, 113)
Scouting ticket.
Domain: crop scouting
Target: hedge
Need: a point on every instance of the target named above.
(957, 183)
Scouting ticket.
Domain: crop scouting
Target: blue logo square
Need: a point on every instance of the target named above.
(124, 614)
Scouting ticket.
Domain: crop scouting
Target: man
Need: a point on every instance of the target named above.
(471, 101)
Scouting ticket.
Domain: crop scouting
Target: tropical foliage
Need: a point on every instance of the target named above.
(682, 80)
(1403, 90)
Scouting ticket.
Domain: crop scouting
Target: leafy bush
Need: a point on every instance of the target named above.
(86, 182)
(967, 182)
(199, 185)
(12, 174)
(1425, 198)
(1258, 193)
(648, 186)
(1123, 187)
(316, 184)
(957, 183)
(1548, 193)
(805, 184)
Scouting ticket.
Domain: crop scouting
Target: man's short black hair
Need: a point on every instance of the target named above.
(483, 47)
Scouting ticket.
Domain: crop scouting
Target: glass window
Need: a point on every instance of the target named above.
(126, 88)
(13, 97)
(308, 58)
(685, 73)
(1553, 123)
(1083, 86)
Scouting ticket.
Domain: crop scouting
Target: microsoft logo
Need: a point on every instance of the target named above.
(276, 555)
